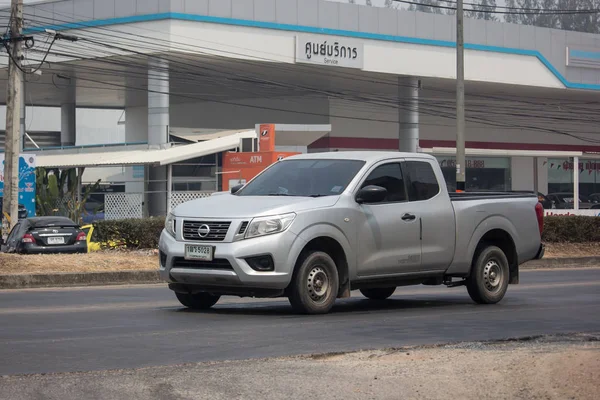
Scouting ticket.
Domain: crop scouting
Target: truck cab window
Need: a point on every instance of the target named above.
(388, 176)
(420, 181)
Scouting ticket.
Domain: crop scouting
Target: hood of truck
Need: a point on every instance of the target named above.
(231, 206)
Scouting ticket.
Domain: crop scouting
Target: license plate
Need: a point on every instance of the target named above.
(56, 240)
(196, 252)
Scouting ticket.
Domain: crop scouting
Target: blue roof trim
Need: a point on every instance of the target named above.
(315, 30)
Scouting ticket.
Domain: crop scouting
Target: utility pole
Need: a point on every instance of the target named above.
(460, 99)
(12, 146)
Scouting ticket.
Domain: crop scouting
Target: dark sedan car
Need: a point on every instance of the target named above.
(46, 235)
(23, 213)
(566, 200)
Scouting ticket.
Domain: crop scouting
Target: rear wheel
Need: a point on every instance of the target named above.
(489, 277)
(197, 301)
(314, 287)
(379, 293)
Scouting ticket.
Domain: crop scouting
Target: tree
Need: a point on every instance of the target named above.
(482, 10)
(549, 15)
(428, 6)
(56, 193)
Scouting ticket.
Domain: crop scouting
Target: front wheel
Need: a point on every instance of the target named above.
(489, 277)
(378, 294)
(197, 301)
(314, 287)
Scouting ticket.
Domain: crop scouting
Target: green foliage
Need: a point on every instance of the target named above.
(56, 193)
(131, 233)
(571, 229)
(145, 233)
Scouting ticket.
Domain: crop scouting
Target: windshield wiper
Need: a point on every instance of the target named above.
(317, 195)
(278, 194)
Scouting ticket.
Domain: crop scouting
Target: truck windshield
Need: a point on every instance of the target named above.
(306, 178)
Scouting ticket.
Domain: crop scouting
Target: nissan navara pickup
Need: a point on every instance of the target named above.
(314, 227)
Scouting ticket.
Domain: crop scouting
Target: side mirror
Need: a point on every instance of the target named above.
(235, 189)
(371, 194)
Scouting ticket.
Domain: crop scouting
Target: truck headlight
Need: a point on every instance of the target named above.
(269, 225)
(170, 224)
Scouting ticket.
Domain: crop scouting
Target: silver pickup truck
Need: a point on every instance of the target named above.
(314, 227)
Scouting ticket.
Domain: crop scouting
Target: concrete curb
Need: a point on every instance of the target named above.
(562, 263)
(27, 281)
(78, 279)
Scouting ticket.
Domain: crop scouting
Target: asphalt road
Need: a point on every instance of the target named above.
(64, 330)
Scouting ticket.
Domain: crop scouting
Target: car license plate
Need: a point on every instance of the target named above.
(196, 252)
(56, 240)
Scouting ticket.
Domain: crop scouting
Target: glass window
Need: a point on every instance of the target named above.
(421, 181)
(195, 186)
(304, 178)
(560, 177)
(482, 173)
(388, 176)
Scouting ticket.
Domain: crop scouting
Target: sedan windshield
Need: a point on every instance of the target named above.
(306, 178)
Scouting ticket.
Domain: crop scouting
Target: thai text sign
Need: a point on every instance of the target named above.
(337, 52)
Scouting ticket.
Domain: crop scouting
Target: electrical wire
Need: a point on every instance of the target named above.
(282, 110)
(206, 50)
(525, 12)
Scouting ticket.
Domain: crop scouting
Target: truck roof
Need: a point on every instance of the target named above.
(367, 156)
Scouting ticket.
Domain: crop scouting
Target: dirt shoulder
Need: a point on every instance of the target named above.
(105, 261)
(147, 260)
(547, 368)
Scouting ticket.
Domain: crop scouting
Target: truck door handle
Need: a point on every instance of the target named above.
(408, 217)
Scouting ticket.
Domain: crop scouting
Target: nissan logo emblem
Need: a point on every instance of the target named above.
(203, 231)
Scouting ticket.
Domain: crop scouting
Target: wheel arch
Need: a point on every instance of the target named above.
(330, 240)
(504, 241)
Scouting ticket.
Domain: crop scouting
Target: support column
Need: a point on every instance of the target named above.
(169, 187)
(158, 133)
(408, 114)
(68, 116)
(576, 183)
(23, 132)
(536, 176)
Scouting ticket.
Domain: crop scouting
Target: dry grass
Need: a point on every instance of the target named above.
(148, 260)
(92, 262)
(572, 250)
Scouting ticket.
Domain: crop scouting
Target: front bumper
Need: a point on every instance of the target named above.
(284, 249)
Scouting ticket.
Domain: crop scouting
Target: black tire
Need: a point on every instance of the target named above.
(489, 277)
(197, 301)
(379, 293)
(315, 284)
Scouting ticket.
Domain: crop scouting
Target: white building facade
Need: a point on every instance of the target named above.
(382, 78)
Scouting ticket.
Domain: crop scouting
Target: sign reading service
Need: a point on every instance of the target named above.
(337, 52)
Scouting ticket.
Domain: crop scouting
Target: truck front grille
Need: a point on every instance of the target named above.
(217, 263)
(216, 230)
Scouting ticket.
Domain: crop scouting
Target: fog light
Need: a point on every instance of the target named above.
(261, 263)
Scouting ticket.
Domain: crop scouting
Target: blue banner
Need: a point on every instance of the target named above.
(26, 181)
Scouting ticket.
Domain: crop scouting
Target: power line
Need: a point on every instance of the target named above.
(523, 12)
(593, 10)
(394, 102)
(206, 50)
